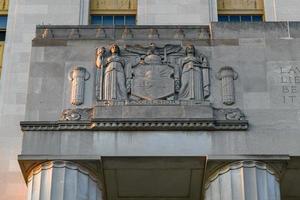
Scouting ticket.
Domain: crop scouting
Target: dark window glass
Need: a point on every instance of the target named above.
(119, 20)
(3, 22)
(2, 35)
(108, 20)
(130, 20)
(95, 19)
(246, 18)
(223, 18)
(240, 18)
(235, 18)
(112, 20)
(257, 18)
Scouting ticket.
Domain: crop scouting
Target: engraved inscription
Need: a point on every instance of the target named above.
(289, 83)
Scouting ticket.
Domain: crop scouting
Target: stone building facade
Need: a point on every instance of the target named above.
(220, 122)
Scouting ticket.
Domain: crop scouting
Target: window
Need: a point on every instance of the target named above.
(240, 10)
(112, 20)
(3, 24)
(113, 12)
(240, 18)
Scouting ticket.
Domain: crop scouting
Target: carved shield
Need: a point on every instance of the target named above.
(153, 81)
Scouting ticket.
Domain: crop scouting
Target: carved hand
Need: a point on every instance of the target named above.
(100, 52)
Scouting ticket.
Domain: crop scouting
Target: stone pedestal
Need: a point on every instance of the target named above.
(62, 180)
(245, 180)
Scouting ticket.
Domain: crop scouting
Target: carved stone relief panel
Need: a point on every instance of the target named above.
(78, 76)
(152, 73)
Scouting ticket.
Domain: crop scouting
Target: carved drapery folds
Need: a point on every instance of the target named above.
(227, 75)
(78, 76)
(111, 74)
(194, 76)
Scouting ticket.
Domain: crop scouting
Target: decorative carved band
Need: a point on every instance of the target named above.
(120, 32)
(59, 164)
(136, 125)
(241, 164)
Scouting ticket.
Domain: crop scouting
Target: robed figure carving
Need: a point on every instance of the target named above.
(195, 81)
(111, 74)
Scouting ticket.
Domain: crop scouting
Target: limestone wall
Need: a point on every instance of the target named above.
(22, 19)
(263, 55)
(189, 12)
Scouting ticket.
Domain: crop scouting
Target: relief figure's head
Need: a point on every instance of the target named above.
(190, 50)
(152, 50)
(115, 49)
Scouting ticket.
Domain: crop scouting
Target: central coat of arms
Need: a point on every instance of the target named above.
(153, 78)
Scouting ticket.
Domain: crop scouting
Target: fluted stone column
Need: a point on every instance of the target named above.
(78, 76)
(244, 180)
(227, 76)
(62, 180)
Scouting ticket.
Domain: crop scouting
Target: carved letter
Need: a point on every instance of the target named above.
(227, 76)
(78, 76)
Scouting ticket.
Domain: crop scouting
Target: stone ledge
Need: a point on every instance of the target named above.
(135, 125)
(91, 32)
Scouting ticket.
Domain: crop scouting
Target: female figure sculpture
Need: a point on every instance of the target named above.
(194, 83)
(113, 83)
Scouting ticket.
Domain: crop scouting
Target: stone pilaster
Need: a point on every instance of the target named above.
(244, 180)
(62, 180)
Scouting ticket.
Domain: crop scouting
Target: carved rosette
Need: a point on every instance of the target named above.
(78, 76)
(227, 75)
(76, 114)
